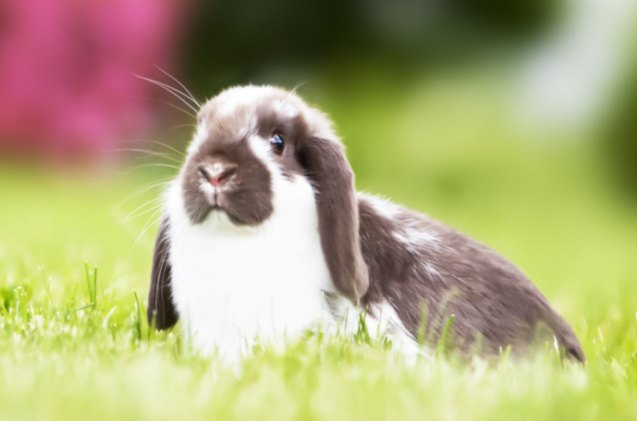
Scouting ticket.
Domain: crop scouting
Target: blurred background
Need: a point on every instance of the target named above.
(515, 122)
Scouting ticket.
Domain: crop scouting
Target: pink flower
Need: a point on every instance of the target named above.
(67, 84)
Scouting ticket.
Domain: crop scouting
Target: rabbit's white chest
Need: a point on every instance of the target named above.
(233, 286)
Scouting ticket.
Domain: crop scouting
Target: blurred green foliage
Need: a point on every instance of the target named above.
(618, 140)
(237, 42)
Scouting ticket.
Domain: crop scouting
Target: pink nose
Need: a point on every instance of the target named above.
(217, 173)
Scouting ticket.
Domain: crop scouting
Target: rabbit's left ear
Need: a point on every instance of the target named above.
(333, 180)
(161, 310)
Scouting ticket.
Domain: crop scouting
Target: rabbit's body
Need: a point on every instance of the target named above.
(264, 235)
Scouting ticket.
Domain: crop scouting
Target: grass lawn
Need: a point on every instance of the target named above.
(75, 261)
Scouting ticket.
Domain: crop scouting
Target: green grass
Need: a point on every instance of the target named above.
(74, 343)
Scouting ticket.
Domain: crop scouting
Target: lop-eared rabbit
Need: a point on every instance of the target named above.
(263, 236)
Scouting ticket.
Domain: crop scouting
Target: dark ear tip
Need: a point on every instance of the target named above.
(360, 284)
(576, 354)
(158, 322)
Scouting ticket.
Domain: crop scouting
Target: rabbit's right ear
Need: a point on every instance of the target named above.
(161, 310)
(333, 180)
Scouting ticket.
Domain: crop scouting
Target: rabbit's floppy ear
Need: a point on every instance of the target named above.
(333, 180)
(161, 310)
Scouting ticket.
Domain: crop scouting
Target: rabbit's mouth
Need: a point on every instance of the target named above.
(215, 198)
(242, 206)
(216, 201)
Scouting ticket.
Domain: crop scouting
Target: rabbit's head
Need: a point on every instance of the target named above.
(259, 148)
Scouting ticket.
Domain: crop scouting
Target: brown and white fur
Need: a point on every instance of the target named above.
(264, 236)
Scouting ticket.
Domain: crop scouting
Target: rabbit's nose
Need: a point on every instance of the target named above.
(217, 173)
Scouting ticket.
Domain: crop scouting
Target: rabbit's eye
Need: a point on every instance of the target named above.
(278, 144)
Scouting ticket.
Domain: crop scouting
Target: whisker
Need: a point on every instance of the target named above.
(293, 91)
(152, 220)
(180, 84)
(175, 92)
(179, 153)
(299, 85)
(169, 104)
(144, 189)
(144, 210)
(182, 95)
(151, 165)
(143, 205)
(176, 160)
(172, 148)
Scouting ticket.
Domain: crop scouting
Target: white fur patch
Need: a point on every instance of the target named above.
(415, 238)
(432, 271)
(388, 323)
(382, 206)
(381, 322)
(412, 235)
(233, 98)
(286, 109)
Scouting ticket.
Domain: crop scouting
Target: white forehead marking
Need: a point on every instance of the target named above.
(230, 100)
(262, 151)
(241, 95)
(286, 109)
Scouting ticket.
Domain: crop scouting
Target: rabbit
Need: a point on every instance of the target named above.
(263, 236)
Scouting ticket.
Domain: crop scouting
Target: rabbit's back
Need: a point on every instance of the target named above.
(428, 273)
